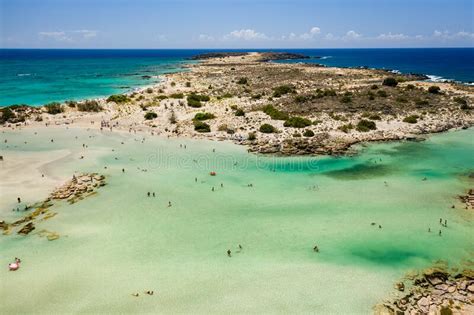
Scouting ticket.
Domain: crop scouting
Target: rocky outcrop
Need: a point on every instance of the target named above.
(434, 291)
(468, 199)
(78, 187)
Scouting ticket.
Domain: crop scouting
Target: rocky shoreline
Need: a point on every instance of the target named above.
(78, 188)
(272, 108)
(435, 290)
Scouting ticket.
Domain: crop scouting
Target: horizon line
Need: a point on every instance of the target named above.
(203, 48)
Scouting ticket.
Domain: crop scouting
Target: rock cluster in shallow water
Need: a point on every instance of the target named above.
(77, 188)
(434, 291)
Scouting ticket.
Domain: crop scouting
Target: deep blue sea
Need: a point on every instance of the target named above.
(39, 76)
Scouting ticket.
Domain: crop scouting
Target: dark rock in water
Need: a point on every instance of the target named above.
(266, 56)
(27, 229)
(270, 56)
(146, 77)
(218, 55)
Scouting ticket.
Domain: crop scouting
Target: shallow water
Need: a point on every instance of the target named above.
(119, 241)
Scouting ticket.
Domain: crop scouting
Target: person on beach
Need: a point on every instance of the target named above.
(169, 203)
(229, 253)
(316, 249)
(445, 223)
(18, 199)
(439, 233)
(212, 188)
(153, 194)
(148, 194)
(123, 170)
(195, 179)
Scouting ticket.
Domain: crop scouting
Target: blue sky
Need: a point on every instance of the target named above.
(235, 23)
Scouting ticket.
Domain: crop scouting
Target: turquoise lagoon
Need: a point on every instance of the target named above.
(120, 241)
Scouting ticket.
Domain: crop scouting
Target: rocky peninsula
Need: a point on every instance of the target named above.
(270, 107)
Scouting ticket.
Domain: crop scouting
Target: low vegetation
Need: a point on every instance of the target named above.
(308, 133)
(282, 90)
(54, 108)
(118, 98)
(267, 128)
(434, 89)
(204, 116)
(89, 106)
(390, 81)
(412, 119)
(275, 113)
(346, 128)
(297, 122)
(151, 115)
(366, 125)
(200, 126)
(194, 100)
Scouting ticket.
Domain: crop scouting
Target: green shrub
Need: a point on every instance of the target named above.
(366, 125)
(204, 116)
(150, 115)
(302, 98)
(282, 90)
(149, 90)
(54, 108)
(227, 95)
(243, 81)
(374, 117)
(382, 93)
(7, 114)
(446, 310)
(346, 128)
(118, 98)
(434, 89)
(374, 87)
(177, 95)
(252, 136)
(346, 99)
(267, 128)
(460, 100)
(422, 102)
(194, 100)
(239, 112)
(297, 135)
(89, 106)
(200, 126)
(297, 122)
(465, 107)
(308, 133)
(412, 119)
(188, 84)
(401, 99)
(390, 82)
(275, 113)
(410, 87)
(72, 104)
(161, 97)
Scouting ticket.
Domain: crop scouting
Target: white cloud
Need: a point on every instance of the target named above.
(314, 31)
(205, 38)
(162, 38)
(58, 36)
(68, 36)
(87, 33)
(352, 35)
(391, 36)
(245, 34)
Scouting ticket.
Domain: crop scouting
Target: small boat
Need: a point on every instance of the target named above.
(212, 173)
